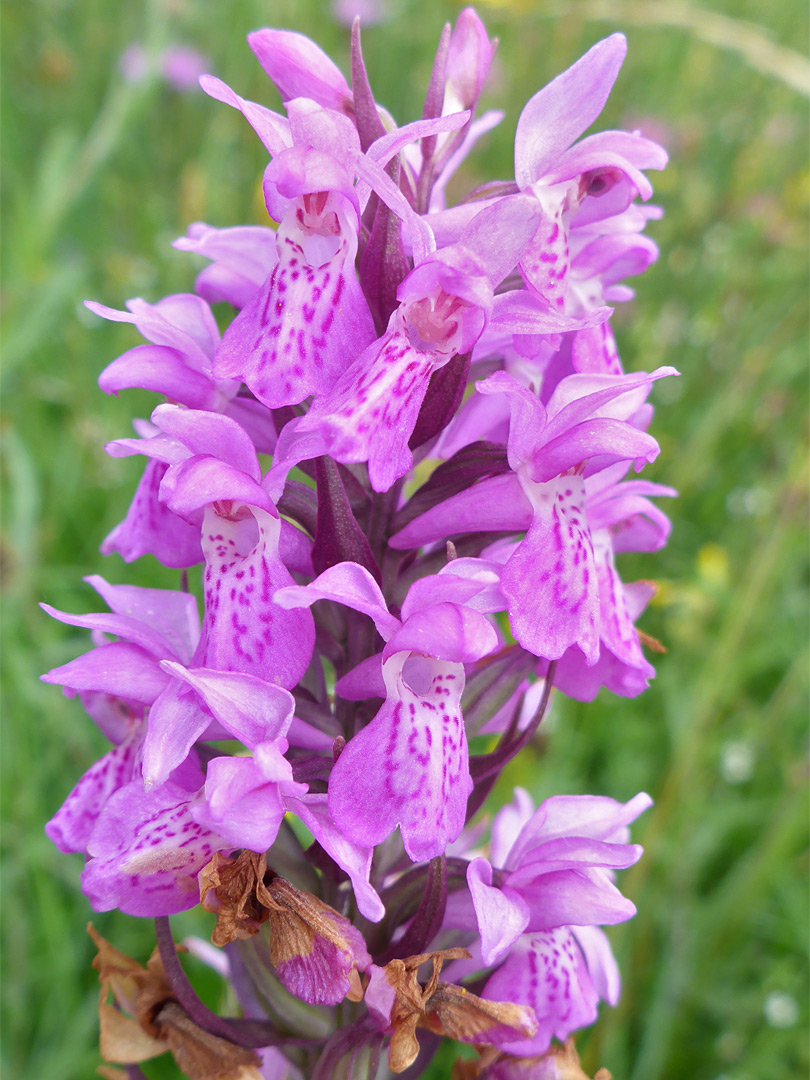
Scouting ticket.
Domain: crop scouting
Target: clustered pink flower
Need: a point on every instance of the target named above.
(353, 630)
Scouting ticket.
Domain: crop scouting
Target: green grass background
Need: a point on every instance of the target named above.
(99, 177)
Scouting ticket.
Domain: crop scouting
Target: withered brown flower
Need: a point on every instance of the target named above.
(146, 1020)
(395, 994)
(315, 950)
(558, 1063)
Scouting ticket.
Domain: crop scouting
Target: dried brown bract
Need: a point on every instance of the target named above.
(147, 1020)
(235, 890)
(441, 1007)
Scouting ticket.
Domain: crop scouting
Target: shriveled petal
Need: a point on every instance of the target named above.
(409, 766)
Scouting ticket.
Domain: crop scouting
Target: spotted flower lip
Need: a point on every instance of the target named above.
(411, 761)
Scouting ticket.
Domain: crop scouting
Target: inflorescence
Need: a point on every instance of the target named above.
(403, 471)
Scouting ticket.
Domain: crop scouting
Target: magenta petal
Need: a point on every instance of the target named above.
(272, 129)
(363, 681)
(594, 816)
(574, 678)
(561, 111)
(582, 397)
(545, 263)
(170, 613)
(147, 851)
(251, 709)
(209, 433)
(193, 484)
(573, 853)
(447, 586)
(497, 504)
(446, 632)
(575, 897)
(550, 580)
(162, 370)
(119, 669)
(592, 438)
(380, 997)
(151, 528)
(175, 722)
(594, 350)
(520, 312)
(547, 973)
(183, 322)
(469, 55)
(354, 859)
(300, 68)
(242, 806)
(242, 257)
(502, 914)
(244, 629)
(507, 825)
(350, 584)
(128, 629)
(409, 766)
(616, 626)
(602, 967)
(372, 410)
